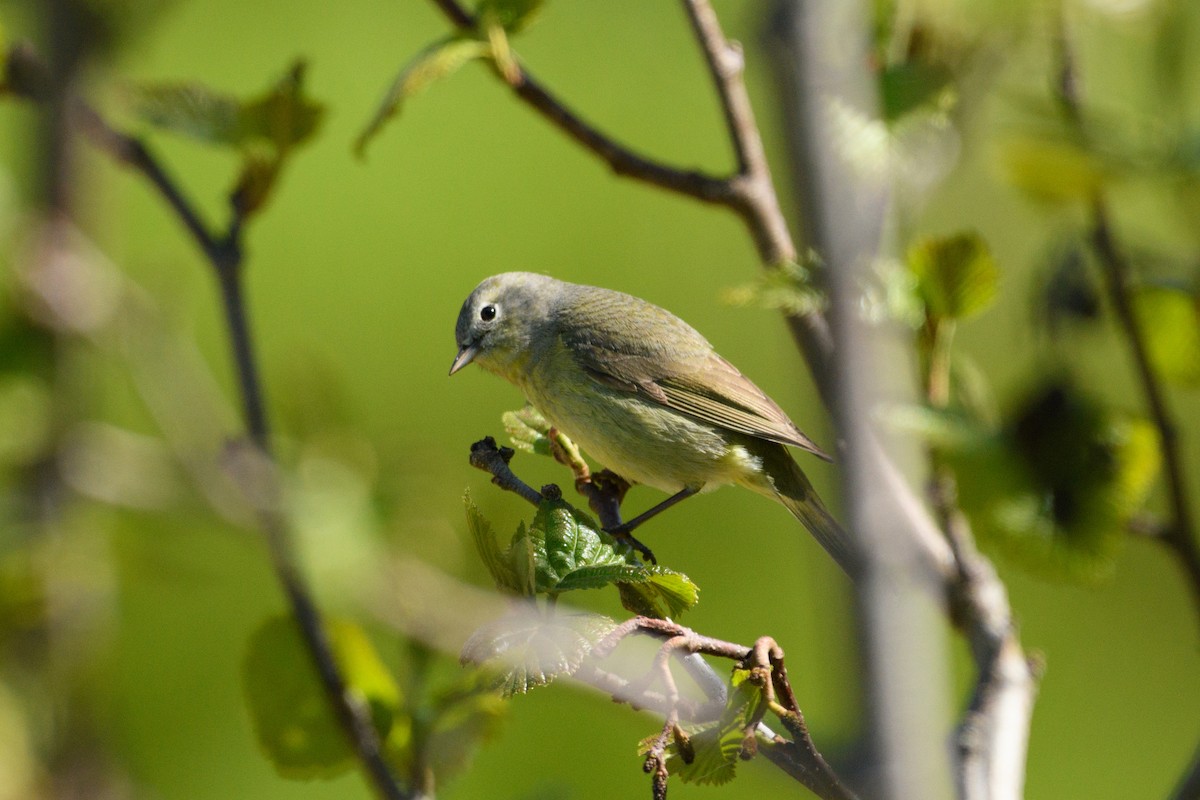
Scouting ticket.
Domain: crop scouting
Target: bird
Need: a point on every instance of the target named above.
(643, 393)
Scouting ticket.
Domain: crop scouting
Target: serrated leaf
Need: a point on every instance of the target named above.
(498, 563)
(673, 591)
(956, 275)
(529, 648)
(1170, 320)
(528, 430)
(288, 707)
(717, 746)
(570, 543)
(436, 62)
(523, 556)
(1054, 169)
(512, 15)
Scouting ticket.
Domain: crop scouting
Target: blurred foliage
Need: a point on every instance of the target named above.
(130, 589)
(264, 130)
(1057, 486)
(495, 21)
(289, 707)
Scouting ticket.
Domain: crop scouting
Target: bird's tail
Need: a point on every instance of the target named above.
(790, 486)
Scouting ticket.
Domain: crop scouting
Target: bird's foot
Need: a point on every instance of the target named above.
(622, 534)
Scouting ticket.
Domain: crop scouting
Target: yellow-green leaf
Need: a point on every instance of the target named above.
(956, 275)
(289, 709)
(498, 563)
(1170, 318)
(1053, 169)
(440, 60)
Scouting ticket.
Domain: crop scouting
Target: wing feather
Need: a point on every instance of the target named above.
(621, 342)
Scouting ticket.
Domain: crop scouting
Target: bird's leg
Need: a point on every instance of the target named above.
(625, 530)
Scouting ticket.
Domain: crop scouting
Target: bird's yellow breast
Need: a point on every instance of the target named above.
(635, 437)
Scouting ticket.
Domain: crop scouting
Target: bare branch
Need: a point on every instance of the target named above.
(491, 458)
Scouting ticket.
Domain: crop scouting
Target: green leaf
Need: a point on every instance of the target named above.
(1170, 319)
(283, 117)
(528, 430)
(440, 60)
(192, 110)
(1056, 486)
(499, 563)
(265, 130)
(940, 427)
(907, 86)
(465, 715)
(280, 119)
(663, 593)
(511, 15)
(573, 554)
(529, 648)
(288, 707)
(788, 288)
(1053, 168)
(956, 275)
(717, 746)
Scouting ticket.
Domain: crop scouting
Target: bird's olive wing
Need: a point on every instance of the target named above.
(637, 347)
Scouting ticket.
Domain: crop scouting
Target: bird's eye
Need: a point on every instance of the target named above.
(487, 313)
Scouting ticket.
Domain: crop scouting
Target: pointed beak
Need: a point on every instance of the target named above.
(466, 354)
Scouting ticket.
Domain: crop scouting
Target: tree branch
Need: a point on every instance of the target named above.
(1180, 533)
(749, 192)
(846, 221)
(224, 254)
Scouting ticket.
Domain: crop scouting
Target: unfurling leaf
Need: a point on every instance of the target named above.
(715, 747)
(1170, 319)
(192, 110)
(498, 562)
(663, 593)
(289, 708)
(440, 60)
(956, 275)
(528, 430)
(528, 648)
(283, 116)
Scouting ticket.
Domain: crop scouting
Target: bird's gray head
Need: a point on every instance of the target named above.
(505, 320)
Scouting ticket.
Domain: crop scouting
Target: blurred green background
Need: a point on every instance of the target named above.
(356, 274)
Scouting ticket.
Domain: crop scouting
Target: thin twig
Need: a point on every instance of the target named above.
(1180, 534)
(799, 758)
(225, 256)
(493, 459)
(749, 192)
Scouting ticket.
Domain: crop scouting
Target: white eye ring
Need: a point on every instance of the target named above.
(488, 312)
